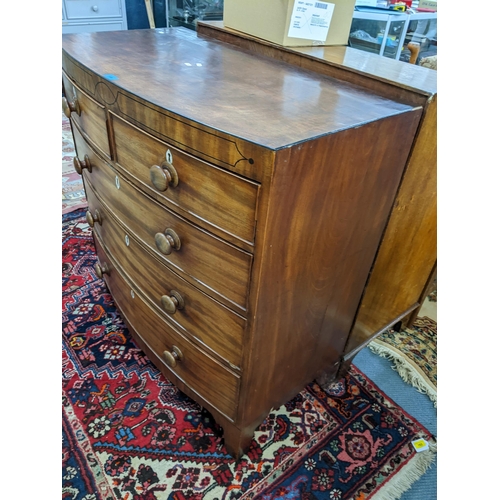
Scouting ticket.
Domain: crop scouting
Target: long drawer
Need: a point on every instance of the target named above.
(218, 266)
(212, 324)
(208, 378)
(224, 200)
(88, 114)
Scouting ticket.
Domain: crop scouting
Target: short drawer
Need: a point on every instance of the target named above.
(212, 324)
(224, 200)
(208, 378)
(88, 114)
(219, 267)
(78, 9)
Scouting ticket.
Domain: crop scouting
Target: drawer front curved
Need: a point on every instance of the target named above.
(213, 325)
(208, 378)
(219, 267)
(224, 200)
(89, 115)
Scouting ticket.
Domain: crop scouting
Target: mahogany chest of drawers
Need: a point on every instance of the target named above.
(237, 202)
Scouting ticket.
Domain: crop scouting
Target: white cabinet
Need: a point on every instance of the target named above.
(79, 16)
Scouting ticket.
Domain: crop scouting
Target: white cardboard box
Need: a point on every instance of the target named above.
(292, 23)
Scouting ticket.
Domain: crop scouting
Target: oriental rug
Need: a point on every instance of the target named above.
(129, 434)
(414, 354)
(73, 194)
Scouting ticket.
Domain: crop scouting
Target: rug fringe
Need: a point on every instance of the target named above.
(404, 480)
(405, 370)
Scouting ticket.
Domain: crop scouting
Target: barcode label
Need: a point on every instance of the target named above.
(321, 5)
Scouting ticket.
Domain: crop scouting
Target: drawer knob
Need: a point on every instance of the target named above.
(174, 357)
(70, 107)
(92, 219)
(95, 8)
(171, 303)
(167, 241)
(101, 270)
(163, 176)
(80, 165)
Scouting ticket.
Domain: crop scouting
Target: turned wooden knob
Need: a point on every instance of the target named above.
(167, 241)
(80, 165)
(174, 357)
(92, 219)
(163, 176)
(172, 302)
(101, 270)
(70, 107)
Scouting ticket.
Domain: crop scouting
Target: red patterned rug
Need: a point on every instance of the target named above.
(129, 434)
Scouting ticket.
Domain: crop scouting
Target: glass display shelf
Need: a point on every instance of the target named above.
(388, 33)
(187, 12)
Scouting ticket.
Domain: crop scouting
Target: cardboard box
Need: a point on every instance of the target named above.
(431, 5)
(292, 23)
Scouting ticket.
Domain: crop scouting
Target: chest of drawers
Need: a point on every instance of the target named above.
(87, 16)
(237, 204)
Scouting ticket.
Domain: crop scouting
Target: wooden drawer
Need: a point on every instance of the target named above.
(77, 9)
(208, 378)
(224, 200)
(212, 324)
(89, 115)
(219, 267)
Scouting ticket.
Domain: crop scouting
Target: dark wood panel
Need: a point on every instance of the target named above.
(408, 250)
(210, 323)
(224, 87)
(321, 241)
(198, 371)
(214, 195)
(387, 77)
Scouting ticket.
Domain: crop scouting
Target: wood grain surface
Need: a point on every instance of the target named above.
(203, 319)
(201, 188)
(287, 175)
(200, 372)
(92, 118)
(227, 88)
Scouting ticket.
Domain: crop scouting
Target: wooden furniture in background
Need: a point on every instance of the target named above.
(407, 253)
(414, 49)
(149, 11)
(238, 204)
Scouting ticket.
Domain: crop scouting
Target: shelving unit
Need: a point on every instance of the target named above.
(388, 33)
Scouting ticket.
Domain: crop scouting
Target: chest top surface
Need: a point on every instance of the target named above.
(229, 89)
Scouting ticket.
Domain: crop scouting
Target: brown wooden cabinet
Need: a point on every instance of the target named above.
(406, 260)
(238, 204)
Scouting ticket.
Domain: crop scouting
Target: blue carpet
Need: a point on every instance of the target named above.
(416, 404)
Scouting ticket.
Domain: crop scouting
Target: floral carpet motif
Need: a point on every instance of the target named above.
(129, 434)
(414, 354)
(73, 194)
